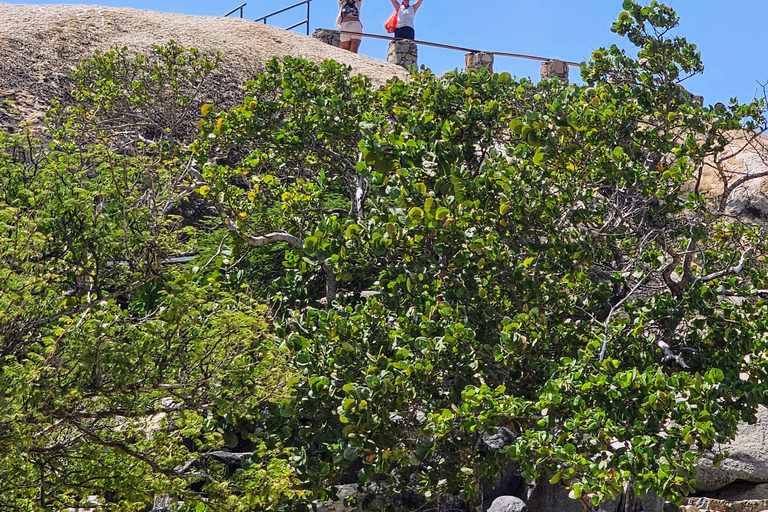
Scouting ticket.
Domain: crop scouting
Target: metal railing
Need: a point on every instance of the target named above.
(238, 8)
(305, 22)
(460, 48)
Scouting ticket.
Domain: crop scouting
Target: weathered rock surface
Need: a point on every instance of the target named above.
(747, 460)
(507, 504)
(713, 505)
(741, 491)
(744, 157)
(548, 497)
(41, 44)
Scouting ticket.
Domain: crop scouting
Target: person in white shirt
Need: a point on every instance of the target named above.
(349, 21)
(405, 14)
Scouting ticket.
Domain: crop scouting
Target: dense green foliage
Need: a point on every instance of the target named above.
(119, 367)
(456, 254)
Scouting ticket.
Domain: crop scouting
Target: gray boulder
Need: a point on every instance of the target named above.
(507, 483)
(741, 491)
(493, 443)
(630, 503)
(747, 459)
(548, 497)
(507, 504)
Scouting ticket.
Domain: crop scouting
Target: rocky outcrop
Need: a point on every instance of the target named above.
(740, 175)
(747, 459)
(713, 505)
(41, 44)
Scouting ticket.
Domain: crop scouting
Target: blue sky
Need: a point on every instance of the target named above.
(731, 35)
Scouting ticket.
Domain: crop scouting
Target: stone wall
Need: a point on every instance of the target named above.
(554, 69)
(403, 52)
(479, 60)
(328, 36)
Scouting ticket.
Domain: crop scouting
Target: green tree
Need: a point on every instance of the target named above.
(539, 258)
(123, 374)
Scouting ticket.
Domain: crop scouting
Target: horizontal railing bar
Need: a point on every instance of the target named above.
(263, 18)
(459, 48)
(239, 7)
(298, 24)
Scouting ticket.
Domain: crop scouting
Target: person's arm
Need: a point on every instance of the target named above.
(395, 4)
(416, 5)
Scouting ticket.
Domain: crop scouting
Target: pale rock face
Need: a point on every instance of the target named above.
(747, 460)
(41, 44)
(507, 504)
(744, 157)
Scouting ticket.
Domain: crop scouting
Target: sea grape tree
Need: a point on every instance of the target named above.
(537, 257)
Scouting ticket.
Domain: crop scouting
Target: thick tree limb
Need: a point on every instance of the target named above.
(331, 286)
(264, 240)
(730, 270)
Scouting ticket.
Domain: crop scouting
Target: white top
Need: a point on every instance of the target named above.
(358, 3)
(405, 16)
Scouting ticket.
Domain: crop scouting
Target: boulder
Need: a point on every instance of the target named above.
(548, 497)
(493, 443)
(507, 504)
(745, 155)
(649, 503)
(343, 492)
(507, 483)
(747, 459)
(41, 44)
(740, 491)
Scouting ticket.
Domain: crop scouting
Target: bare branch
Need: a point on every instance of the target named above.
(730, 270)
(269, 238)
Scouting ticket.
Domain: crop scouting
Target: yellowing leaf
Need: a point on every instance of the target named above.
(206, 108)
(430, 205)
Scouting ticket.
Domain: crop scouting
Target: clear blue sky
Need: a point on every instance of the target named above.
(730, 34)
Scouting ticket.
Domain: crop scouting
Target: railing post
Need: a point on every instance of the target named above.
(403, 52)
(479, 60)
(309, 2)
(554, 69)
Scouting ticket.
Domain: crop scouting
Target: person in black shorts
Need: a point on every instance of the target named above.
(405, 14)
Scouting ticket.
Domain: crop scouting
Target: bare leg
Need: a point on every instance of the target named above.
(345, 45)
(355, 45)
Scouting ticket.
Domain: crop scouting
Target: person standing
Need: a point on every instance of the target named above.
(405, 14)
(349, 21)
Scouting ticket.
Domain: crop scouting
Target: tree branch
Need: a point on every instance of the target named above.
(730, 270)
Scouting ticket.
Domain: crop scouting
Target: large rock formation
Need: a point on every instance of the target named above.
(747, 459)
(41, 44)
(744, 160)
